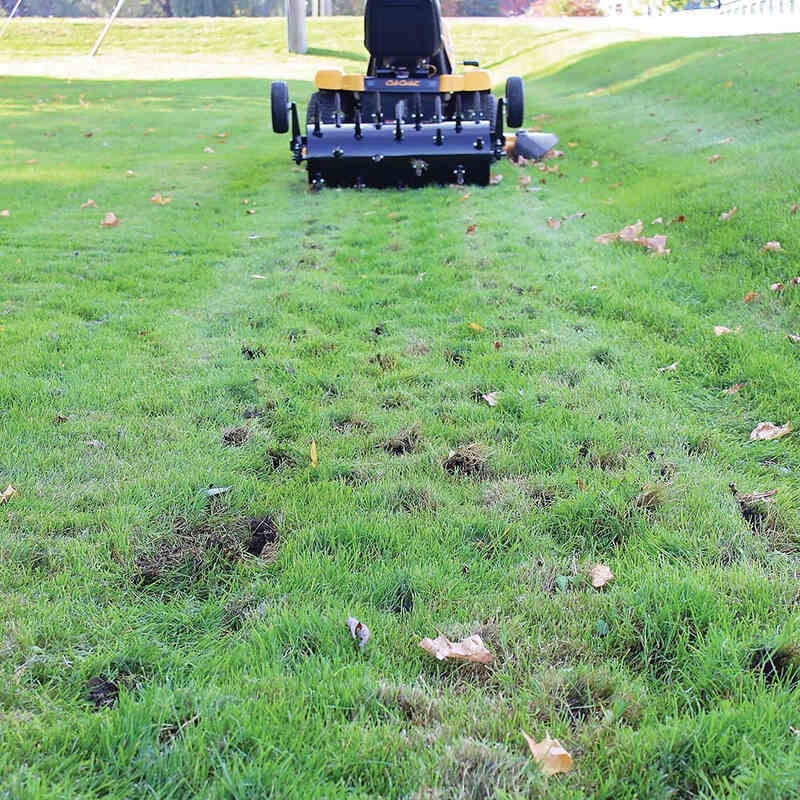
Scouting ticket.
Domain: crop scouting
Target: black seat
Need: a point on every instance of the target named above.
(403, 29)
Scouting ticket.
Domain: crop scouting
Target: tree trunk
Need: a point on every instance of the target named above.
(296, 25)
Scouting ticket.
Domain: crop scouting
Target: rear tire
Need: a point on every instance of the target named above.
(515, 102)
(279, 106)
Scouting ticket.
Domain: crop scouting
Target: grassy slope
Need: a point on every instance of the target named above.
(237, 677)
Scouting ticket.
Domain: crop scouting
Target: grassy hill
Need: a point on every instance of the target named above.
(160, 642)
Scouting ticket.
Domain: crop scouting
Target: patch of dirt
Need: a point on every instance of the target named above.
(249, 352)
(264, 538)
(777, 664)
(386, 361)
(456, 357)
(650, 498)
(412, 703)
(404, 442)
(277, 457)
(418, 348)
(412, 500)
(235, 437)
(469, 459)
(101, 692)
(350, 423)
(172, 730)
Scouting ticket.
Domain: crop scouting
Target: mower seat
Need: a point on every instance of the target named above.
(401, 30)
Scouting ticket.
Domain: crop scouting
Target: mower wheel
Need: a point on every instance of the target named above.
(279, 105)
(515, 102)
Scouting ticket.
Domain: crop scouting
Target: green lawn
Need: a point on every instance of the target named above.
(145, 653)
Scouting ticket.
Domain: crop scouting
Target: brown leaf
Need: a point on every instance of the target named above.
(572, 144)
(465, 196)
(159, 200)
(582, 180)
(472, 228)
(495, 179)
(771, 247)
(750, 296)
(768, 430)
(793, 209)
(473, 326)
(777, 287)
(581, 484)
(656, 244)
(616, 185)
(630, 232)
(670, 368)
(722, 330)
(110, 220)
(555, 224)
(606, 238)
(490, 398)
(755, 497)
(793, 337)
(549, 754)
(5, 213)
(733, 388)
(600, 575)
(679, 218)
(728, 214)
(358, 631)
(715, 157)
(6, 494)
(89, 204)
(314, 459)
(524, 180)
(469, 649)
(498, 345)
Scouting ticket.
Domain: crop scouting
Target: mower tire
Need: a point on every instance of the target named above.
(515, 102)
(279, 106)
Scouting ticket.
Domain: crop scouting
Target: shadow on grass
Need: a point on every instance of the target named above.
(344, 54)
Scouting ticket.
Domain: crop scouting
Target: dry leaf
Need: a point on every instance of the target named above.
(630, 232)
(555, 224)
(600, 575)
(524, 180)
(110, 220)
(495, 179)
(358, 631)
(722, 330)
(5, 213)
(582, 180)
(89, 204)
(670, 368)
(208, 149)
(469, 649)
(767, 430)
(776, 287)
(715, 157)
(656, 244)
(750, 296)
(793, 209)
(472, 228)
(148, 131)
(162, 201)
(728, 214)
(793, 337)
(616, 185)
(595, 164)
(679, 218)
(772, 247)
(465, 196)
(490, 397)
(473, 326)
(7, 493)
(754, 498)
(549, 754)
(314, 459)
(658, 221)
(733, 389)
(606, 238)
(572, 144)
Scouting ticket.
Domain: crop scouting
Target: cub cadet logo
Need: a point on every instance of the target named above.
(402, 82)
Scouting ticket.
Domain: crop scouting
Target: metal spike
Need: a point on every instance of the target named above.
(358, 123)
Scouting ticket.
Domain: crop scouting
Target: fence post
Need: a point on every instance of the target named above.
(296, 25)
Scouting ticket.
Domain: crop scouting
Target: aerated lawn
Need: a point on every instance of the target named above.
(160, 640)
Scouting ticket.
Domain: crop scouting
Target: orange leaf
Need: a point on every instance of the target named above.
(159, 200)
(473, 326)
(6, 494)
(750, 296)
(733, 389)
(472, 228)
(314, 460)
(469, 649)
(110, 220)
(549, 754)
(89, 204)
(768, 430)
(727, 214)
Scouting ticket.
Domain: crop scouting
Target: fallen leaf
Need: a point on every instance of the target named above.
(722, 330)
(776, 287)
(465, 196)
(658, 221)
(495, 179)
(472, 228)
(728, 214)
(5, 213)
(670, 368)
(733, 388)
(595, 164)
(679, 218)
(473, 326)
(600, 575)
(549, 754)
(793, 337)
(606, 238)
(555, 224)
(490, 398)
(771, 247)
(314, 460)
(469, 649)
(754, 498)
(582, 180)
(524, 180)
(31, 161)
(793, 209)
(630, 232)
(358, 631)
(158, 199)
(616, 185)
(208, 149)
(222, 136)
(130, 174)
(88, 134)
(581, 484)
(89, 204)
(656, 244)
(715, 157)
(148, 131)
(6, 494)
(572, 144)
(250, 211)
(768, 430)
(750, 296)
(110, 220)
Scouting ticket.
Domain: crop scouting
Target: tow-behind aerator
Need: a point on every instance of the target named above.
(410, 120)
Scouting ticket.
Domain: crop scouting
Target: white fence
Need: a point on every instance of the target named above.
(760, 7)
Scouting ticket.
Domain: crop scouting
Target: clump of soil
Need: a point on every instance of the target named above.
(263, 537)
(235, 437)
(650, 498)
(101, 692)
(171, 730)
(349, 423)
(411, 499)
(385, 361)
(411, 702)
(404, 442)
(249, 352)
(469, 459)
(777, 663)
(277, 457)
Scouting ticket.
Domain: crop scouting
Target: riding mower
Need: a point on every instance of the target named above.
(410, 120)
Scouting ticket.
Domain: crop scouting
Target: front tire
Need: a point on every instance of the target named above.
(279, 106)
(515, 102)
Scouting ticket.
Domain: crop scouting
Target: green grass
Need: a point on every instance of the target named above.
(123, 365)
